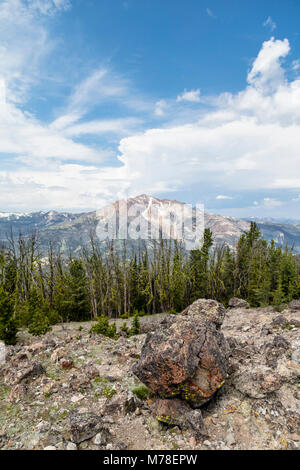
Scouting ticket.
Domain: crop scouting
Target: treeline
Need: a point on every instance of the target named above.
(36, 293)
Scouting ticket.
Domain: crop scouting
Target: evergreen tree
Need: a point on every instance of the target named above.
(135, 329)
(199, 267)
(8, 326)
(40, 323)
(72, 303)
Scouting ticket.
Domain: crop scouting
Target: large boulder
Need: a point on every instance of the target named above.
(187, 356)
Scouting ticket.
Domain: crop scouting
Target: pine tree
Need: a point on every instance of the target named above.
(40, 323)
(73, 304)
(278, 298)
(8, 326)
(178, 279)
(288, 275)
(199, 267)
(135, 329)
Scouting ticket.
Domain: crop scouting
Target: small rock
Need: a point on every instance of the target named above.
(280, 320)
(33, 370)
(237, 303)
(36, 347)
(66, 363)
(43, 427)
(84, 426)
(294, 305)
(176, 412)
(71, 446)
(115, 405)
(132, 403)
(100, 439)
(58, 354)
(2, 353)
(207, 443)
(50, 448)
(193, 442)
(230, 439)
(77, 398)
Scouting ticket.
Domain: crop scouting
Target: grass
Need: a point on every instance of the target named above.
(141, 391)
(108, 392)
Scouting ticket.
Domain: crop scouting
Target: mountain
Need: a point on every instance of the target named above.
(282, 234)
(68, 231)
(273, 220)
(27, 223)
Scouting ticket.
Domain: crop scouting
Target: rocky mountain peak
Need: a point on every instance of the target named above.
(72, 230)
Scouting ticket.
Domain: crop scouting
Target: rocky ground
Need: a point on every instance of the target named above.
(70, 390)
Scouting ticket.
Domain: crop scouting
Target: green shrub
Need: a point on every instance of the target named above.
(125, 328)
(140, 313)
(135, 328)
(141, 391)
(53, 317)
(172, 311)
(102, 327)
(40, 324)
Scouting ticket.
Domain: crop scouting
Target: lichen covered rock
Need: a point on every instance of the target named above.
(84, 426)
(187, 356)
(178, 413)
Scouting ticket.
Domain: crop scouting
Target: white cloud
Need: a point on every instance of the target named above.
(23, 41)
(108, 126)
(270, 23)
(193, 96)
(210, 13)
(268, 203)
(271, 202)
(247, 141)
(266, 73)
(67, 186)
(296, 65)
(40, 153)
(288, 183)
(221, 197)
(49, 7)
(160, 107)
(101, 85)
(250, 141)
(34, 142)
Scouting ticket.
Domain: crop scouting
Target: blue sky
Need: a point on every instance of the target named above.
(104, 99)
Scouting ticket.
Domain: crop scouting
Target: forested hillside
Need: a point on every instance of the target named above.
(36, 294)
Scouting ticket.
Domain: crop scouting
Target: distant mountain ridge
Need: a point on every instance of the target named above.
(70, 231)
